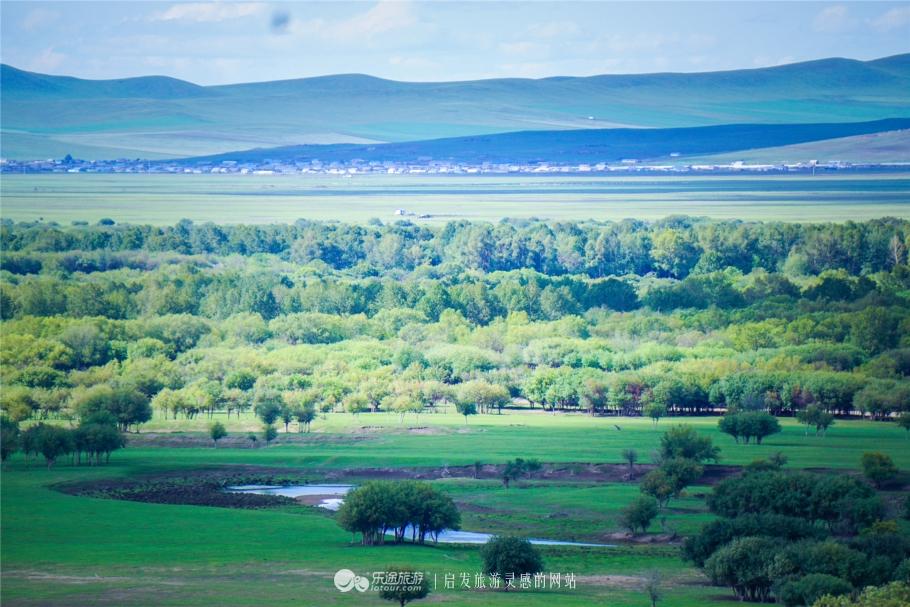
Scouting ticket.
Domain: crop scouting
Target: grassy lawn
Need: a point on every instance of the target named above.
(444, 439)
(165, 199)
(59, 549)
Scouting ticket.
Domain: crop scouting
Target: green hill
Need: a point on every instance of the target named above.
(575, 146)
(883, 147)
(163, 117)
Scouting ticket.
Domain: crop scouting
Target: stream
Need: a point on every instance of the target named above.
(332, 498)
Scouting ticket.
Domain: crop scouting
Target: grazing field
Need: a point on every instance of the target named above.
(376, 440)
(259, 199)
(71, 550)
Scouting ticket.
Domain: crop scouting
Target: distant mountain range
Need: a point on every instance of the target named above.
(160, 117)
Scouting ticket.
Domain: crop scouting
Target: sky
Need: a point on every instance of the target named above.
(228, 42)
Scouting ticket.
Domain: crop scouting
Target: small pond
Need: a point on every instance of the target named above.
(449, 536)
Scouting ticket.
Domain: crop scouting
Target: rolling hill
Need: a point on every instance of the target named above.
(883, 147)
(575, 146)
(154, 116)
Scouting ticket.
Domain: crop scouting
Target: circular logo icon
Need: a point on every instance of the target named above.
(361, 583)
(346, 580)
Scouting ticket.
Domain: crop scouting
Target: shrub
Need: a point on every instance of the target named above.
(406, 586)
(684, 442)
(896, 594)
(506, 555)
(639, 513)
(878, 468)
(9, 437)
(835, 500)
(715, 534)
(744, 565)
(217, 431)
(748, 425)
(808, 589)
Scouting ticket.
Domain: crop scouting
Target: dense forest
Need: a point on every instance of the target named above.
(680, 316)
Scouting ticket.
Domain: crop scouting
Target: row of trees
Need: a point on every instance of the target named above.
(674, 246)
(123, 390)
(276, 290)
(95, 438)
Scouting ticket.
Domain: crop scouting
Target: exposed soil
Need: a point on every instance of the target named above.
(631, 538)
(313, 500)
(611, 581)
(206, 486)
(237, 440)
(560, 472)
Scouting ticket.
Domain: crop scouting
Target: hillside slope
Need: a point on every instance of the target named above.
(574, 146)
(159, 116)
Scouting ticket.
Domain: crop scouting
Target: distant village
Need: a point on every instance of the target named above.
(423, 167)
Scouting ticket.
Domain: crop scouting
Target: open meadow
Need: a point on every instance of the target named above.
(260, 199)
(62, 549)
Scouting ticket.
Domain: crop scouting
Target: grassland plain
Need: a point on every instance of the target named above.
(60, 549)
(165, 199)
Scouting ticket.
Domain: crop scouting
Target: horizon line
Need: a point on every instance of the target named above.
(500, 78)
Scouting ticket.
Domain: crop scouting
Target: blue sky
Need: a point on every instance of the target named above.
(224, 42)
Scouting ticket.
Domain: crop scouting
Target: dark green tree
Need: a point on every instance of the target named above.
(217, 431)
(639, 513)
(408, 585)
(506, 555)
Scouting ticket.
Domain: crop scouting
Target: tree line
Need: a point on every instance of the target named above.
(674, 246)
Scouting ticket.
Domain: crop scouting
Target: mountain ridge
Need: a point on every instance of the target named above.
(903, 61)
(159, 116)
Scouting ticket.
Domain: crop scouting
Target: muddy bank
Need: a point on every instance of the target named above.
(195, 488)
(206, 486)
(557, 472)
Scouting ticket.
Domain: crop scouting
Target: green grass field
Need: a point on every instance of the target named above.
(59, 549)
(165, 199)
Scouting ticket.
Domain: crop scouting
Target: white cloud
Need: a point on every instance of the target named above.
(831, 19)
(383, 17)
(553, 29)
(522, 48)
(47, 60)
(418, 63)
(895, 18)
(39, 18)
(209, 12)
(624, 43)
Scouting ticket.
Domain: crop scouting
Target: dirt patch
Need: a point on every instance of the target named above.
(611, 581)
(46, 576)
(314, 500)
(238, 440)
(630, 538)
(205, 487)
(426, 431)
